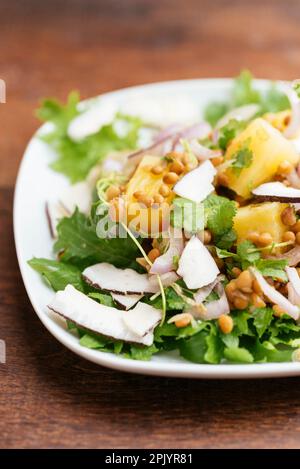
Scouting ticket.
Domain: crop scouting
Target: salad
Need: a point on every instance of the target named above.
(178, 233)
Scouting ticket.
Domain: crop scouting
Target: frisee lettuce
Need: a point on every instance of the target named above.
(244, 92)
(76, 158)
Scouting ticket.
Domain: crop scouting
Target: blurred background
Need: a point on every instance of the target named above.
(50, 47)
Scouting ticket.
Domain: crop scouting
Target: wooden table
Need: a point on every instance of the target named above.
(48, 396)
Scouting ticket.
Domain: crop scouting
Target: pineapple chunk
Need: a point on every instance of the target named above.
(279, 120)
(147, 219)
(269, 149)
(261, 218)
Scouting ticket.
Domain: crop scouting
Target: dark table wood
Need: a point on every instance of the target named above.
(48, 396)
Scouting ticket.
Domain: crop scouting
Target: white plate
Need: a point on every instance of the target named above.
(36, 183)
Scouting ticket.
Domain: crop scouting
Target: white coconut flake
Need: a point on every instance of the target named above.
(108, 277)
(142, 319)
(277, 191)
(93, 316)
(197, 267)
(126, 301)
(91, 121)
(197, 184)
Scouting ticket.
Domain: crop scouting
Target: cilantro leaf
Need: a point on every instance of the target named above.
(58, 274)
(187, 214)
(174, 301)
(219, 213)
(222, 253)
(79, 244)
(244, 91)
(296, 87)
(247, 253)
(272, 268)
(76, 158)
(229, 131)
(241, 159)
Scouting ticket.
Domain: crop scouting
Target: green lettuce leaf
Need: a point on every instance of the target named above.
(58, 274)
(244, 92)
(238, 355)
(76, 158)
(79, 244)
(262, 319)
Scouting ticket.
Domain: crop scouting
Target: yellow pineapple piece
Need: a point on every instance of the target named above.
(260, 218)
(269, 149)
(279, 120)
(148, 219)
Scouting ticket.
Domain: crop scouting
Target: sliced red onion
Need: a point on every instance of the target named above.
(293, 126)
(293, 285)
(274, 296)
(215, 136)
(213, 309)
(242, 113)
(165, 262)
(167, 132)
(203, 292)
(157, 148)
(202, 152)
(276, 191)
(55, 211)
(293, 297)
(292, 256)
(197, 184)
(198, 131)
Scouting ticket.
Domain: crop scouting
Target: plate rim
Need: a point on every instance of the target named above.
(180, 370)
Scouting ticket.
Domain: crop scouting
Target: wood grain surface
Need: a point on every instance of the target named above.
(48, 396)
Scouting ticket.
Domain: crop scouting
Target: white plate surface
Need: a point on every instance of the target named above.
(37, 183)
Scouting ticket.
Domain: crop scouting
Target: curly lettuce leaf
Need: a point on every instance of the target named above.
(76, 158)
(58, 274)
(243, 93)
(79, 244)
